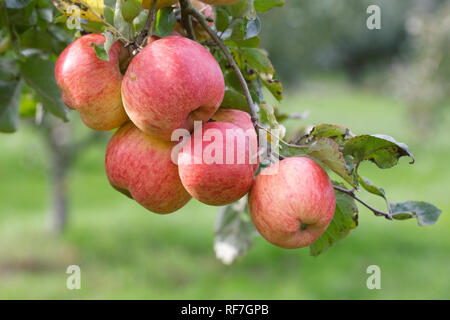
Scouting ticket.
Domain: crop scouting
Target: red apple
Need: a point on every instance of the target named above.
(91, 85)
(169, 84)
(292, 202)
(215, 167)
(243, 120)
(141, 167)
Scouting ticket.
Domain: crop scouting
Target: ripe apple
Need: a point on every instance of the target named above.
(91, 85)
(171, 83)
(215, 166)
(243, 120)
(141, 167)
(292, 202)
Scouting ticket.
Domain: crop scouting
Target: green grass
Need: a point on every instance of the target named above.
(126, 252)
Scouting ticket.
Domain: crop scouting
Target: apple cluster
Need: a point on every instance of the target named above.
(171, 84)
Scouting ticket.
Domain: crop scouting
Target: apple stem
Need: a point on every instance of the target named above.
(148, 27)
(186, 18)
(351, 193)
(204, 23)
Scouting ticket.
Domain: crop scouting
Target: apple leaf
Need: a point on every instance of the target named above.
(246, 43)
(425, 213)
(243, 9)
(253, 28)
(39, 75)
(344, 220)
(233, 99)
(383, 150)
(165, 22)
(273, 85)
(119, 21)
(327, 151)
(222, 20)
(16, 4)
(234, 232)
(9, 105)
(369, 186)
(265, 5)
(335, 132)
(257, 59)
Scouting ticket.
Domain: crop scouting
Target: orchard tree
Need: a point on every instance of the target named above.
(160, 70)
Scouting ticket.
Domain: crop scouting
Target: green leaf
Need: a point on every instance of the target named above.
(273, 85)
(222, 20)
(265, 5)
(344, 220)
(246, 43)
(425, 213)
(119, 21)
(130, 9)
(101, 52)
(165, 22)
(234, 231)
(369, 186)
(335, 132)
(233, 99)
(46, 14)
(39, 75)
(253, 28)
(383, 150)
(257, 59)
(327, 151)
(10, 92)
(17, 4)
(243, 9)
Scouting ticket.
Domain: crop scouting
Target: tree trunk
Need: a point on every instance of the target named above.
(59, 135)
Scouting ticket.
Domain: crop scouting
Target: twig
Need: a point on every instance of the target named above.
(186, 18)
(204, 23)
(121, 36)
(148, 27)
(298, 146)
(351, 193)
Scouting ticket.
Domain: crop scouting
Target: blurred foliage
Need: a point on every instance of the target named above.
(332, 34)
(421, 74)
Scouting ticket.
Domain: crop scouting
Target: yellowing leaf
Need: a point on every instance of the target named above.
(91, 10)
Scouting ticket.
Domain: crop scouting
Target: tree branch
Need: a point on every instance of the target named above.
(204, 23)
(148, 27)
(351, 193)
(186, 18)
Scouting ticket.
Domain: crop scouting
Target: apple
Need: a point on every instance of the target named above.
(292, 202)
(171, 83)
(215, 166)
(91, 85)
(243, 120)
(141, 167)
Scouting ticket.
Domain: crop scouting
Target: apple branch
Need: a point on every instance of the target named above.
(204, 23)
(148, 27)
(351, 193)
(186, 20)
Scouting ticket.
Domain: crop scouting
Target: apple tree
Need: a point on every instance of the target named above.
(34, 34)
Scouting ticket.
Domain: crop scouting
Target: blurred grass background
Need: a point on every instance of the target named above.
(126, 252)
(331, 65)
